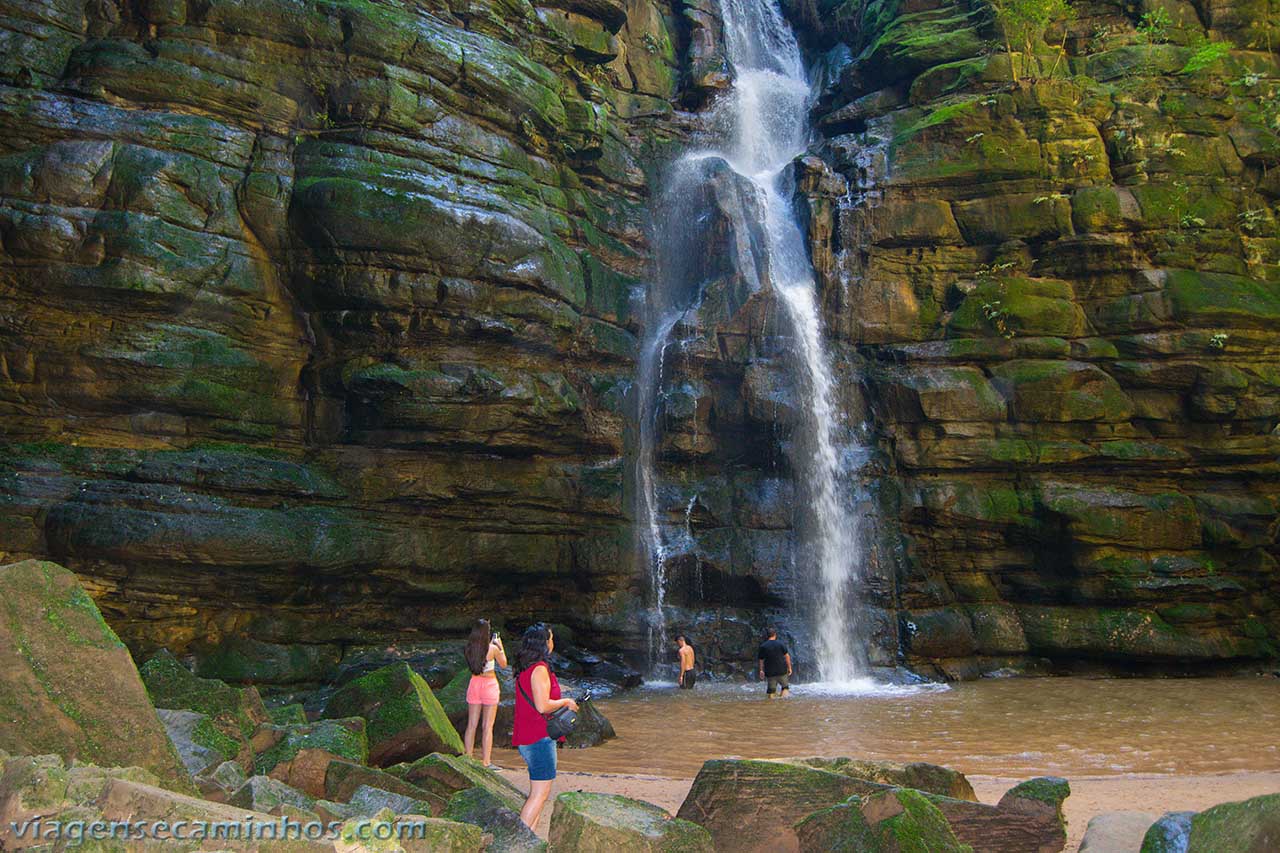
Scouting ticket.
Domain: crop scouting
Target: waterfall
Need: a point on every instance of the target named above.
(761, 127)
(648, 530)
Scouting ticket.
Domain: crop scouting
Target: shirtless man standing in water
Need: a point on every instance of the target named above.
(687, 677)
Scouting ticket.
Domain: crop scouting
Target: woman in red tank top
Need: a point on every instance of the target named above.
(536, 681)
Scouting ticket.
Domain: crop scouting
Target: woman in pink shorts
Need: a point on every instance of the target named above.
(483, 652)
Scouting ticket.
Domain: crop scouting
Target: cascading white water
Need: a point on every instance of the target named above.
(648, 530)
(763, 127)
(769, 117)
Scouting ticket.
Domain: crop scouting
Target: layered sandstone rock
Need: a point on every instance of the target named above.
(313, 304)
(1066, 293)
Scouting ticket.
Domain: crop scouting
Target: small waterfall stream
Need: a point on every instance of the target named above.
(762, 127)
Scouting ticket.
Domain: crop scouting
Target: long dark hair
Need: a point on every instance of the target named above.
(533, 645)
(477, 647)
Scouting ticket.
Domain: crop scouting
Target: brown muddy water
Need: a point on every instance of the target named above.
(999, 727)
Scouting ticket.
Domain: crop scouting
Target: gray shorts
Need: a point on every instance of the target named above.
(776, 681)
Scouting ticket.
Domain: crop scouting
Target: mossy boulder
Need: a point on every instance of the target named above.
(264, 794)
(493, 814)
(199, 743)
(320, 775)
(405, 719)
(367, 800)
(751, 805)
(603, 823)
(44, 785)
(1220, 299)
(896, 821)
(1249, 826)
(68, 685)
(236, 711)
(447, 775)
(343, 738)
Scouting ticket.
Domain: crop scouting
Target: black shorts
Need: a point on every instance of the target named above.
(688, 681)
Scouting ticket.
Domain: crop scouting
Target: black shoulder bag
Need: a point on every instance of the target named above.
(560, 722)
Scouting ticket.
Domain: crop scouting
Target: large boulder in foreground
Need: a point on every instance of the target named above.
(899, 820)
(67, 684)
(753, 805)
(481, 808)
(608, 823)
(749, 805)
(1249, 826)
(405, 720)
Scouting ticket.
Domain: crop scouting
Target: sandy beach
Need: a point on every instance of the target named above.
(1090, 795)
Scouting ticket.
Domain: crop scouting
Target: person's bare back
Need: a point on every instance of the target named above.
(687, 677)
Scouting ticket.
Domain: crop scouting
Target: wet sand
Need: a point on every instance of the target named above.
(1089, 795)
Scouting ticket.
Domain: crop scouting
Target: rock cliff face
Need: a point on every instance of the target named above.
(318, 315)
(319, 321)
(1067, 295)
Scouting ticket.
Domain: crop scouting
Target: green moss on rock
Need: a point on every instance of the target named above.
(1242, 827)
(896, 821)
(405, 719)
(343, 738)
(70, 686)
(172, 685)
(587, 821)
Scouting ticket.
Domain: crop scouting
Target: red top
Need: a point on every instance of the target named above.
(530, 726)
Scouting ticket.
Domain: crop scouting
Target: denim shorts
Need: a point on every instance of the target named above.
(541, 758)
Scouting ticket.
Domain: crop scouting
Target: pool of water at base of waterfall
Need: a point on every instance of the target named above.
(1014, 727)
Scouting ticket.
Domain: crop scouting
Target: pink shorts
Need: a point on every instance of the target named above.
(483, 691)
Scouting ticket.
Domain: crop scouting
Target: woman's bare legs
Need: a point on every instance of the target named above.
(538, 793)
(486, 734)
(473, 719)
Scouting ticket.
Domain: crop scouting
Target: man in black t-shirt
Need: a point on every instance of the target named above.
(775, 665)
